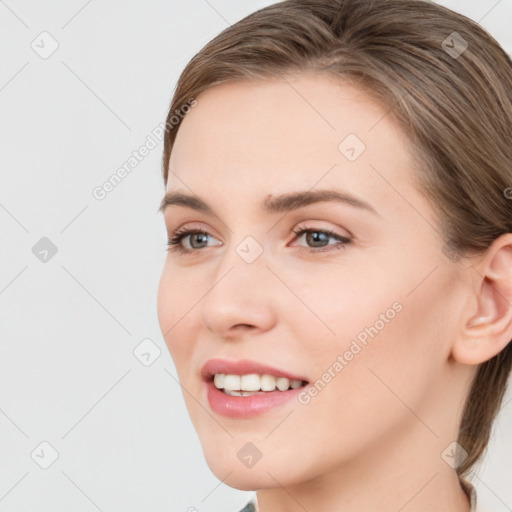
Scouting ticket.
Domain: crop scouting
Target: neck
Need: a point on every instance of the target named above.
(405, 473)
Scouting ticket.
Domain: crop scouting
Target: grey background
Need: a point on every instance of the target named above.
(70, 324)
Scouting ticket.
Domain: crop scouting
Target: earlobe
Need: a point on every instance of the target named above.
(489, 330)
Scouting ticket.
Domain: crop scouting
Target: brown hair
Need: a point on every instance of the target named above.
(454, 102)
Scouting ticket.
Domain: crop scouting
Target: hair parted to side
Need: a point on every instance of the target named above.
(456, 111)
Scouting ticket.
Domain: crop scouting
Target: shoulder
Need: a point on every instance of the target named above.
(470, 490)
(250, 507)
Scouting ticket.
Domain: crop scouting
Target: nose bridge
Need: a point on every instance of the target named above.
(242, 268)
(240, 291)
(245, 251)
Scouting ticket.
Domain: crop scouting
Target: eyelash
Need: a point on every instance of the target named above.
(174, 243)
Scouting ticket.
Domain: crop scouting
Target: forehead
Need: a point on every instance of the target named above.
(288, 133)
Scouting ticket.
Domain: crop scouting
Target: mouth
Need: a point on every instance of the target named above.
(254, 384)
(246, 389)
(247, 378)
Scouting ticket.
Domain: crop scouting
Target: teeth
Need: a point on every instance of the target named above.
(253, 383)
(267, 383)
(250, 382)
(218, 380)
(232, 382)
(243, 393)
(282, 383)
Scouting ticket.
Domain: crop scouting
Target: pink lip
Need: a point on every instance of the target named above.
(245, 406)
(243, 367)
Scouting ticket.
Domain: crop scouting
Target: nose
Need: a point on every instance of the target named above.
(239, 298)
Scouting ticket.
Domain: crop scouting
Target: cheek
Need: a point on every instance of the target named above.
(362, 386)
(339, 303)
(165, 305)
(172, 312)
(381, 336)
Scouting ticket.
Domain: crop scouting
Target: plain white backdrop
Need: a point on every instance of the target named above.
(89, 418)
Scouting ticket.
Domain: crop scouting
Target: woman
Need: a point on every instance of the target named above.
(337, 296)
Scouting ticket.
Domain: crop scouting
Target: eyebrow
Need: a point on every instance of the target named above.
(282, 203)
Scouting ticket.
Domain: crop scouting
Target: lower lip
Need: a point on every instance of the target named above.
(247, 406)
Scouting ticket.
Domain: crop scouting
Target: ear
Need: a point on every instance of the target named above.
(488, 331)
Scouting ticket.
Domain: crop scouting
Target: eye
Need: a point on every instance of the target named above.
(318, 237)
(174, 243)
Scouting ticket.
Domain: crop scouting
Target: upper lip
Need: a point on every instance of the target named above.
(243, 367)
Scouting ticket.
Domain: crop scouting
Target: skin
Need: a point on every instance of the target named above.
(372, 439)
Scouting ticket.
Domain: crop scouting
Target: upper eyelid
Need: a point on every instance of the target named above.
(194, 225)
(185, 231)
(182, 233)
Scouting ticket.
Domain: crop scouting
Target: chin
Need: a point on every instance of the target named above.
(263, 474)
(244, 479)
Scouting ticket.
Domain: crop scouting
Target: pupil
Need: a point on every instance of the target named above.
(198, 235)
(315, 235)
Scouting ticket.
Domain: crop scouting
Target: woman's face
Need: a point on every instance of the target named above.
(368, 323)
